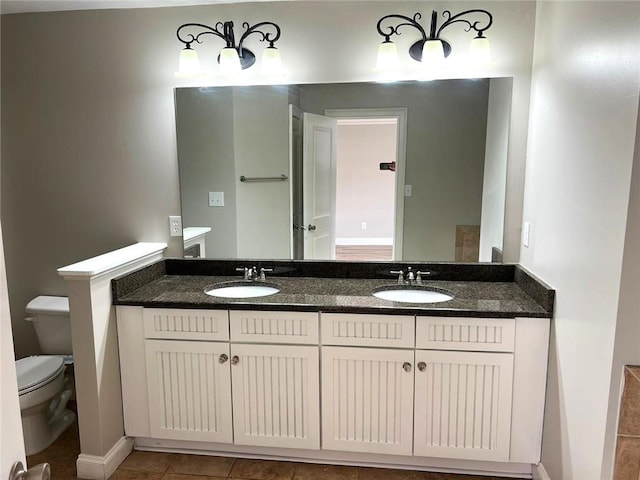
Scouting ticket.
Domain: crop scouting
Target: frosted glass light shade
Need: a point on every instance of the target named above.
(387, 57)
(432, 52)
(229, 61)
(480, 51)
(271, 62)
(188, 64)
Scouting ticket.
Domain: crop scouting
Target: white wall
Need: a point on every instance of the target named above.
(364, 193)
(584, 106)
(262, 208)
(89, 146)
(627, 338)
(494, 184)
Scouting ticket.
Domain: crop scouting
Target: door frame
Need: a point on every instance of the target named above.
(296, 244)
(400, 114)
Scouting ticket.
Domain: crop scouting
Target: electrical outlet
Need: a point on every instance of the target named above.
(364, 225)
(175, 226)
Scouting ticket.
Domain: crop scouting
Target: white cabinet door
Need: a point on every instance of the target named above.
(367, 400)
(276, 395)
(463, 405)
(189, 390)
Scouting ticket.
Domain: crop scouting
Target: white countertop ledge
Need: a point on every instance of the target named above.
(189, 233)
(112, 261)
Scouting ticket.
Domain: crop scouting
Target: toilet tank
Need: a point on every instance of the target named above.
(50, 317)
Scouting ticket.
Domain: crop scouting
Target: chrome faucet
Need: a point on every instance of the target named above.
(411, 277)
(263, 277)
(252, 273)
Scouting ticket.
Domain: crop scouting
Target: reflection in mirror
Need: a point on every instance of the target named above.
(411, 171)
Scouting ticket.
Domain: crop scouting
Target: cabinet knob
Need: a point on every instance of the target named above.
(235, 360)
(406, 366)
(223, 358)
(422, 366)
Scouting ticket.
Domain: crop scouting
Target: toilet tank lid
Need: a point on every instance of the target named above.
(49, 305)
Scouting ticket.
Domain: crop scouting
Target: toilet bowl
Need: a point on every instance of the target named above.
(43, 387)
(44, 392)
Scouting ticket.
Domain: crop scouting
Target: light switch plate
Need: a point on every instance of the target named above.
(526, 232)
(216, 199)
(408, 190)
(175, 225)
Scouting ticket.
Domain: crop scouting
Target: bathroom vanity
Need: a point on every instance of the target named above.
(323, 371)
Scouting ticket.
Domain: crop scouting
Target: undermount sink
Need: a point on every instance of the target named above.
(412, 294)
(242, 290)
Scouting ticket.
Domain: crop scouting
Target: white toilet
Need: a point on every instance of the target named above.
(43, 388)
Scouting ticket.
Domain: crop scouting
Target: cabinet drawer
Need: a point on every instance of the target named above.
(474, 334)
(183, 324)
(368, 330)
(274, 327)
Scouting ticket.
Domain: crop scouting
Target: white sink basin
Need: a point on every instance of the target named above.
(242, 291)
(412, 295)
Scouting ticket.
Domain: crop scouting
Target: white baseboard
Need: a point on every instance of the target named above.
(94, 467)
(364, 241)
(539, 473)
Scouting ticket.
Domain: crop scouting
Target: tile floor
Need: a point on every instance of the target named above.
(139, 465)
(627, 461)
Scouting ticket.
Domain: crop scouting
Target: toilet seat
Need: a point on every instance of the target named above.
(37, 371)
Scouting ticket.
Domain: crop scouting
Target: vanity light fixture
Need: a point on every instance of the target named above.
(431, 49)
(232, 58)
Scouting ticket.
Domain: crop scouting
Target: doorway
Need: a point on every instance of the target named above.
(365, 188)
(369, 183)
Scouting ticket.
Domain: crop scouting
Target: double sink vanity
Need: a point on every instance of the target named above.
(305, 361)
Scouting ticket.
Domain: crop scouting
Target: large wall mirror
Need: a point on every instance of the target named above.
(411, 171)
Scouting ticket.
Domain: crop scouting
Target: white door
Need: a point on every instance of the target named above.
(367, 400)
(319, 159)
(276, 395)
(11, 439)
(189, 390)
(463, 405)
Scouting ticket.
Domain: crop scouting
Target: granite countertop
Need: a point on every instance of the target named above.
(504, 299)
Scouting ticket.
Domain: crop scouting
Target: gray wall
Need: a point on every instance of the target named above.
(88, 151)
(224, 133)
(494, 185)
(446, 131)
(204, 123)
(88, 126)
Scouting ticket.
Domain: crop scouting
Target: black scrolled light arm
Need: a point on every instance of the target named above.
(190, 37)
(266, 36)
(224, 30)
(458, 19)
(434, 32)
(394, 30)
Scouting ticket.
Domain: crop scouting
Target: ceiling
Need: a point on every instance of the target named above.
(25, 6)
(30, 6)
